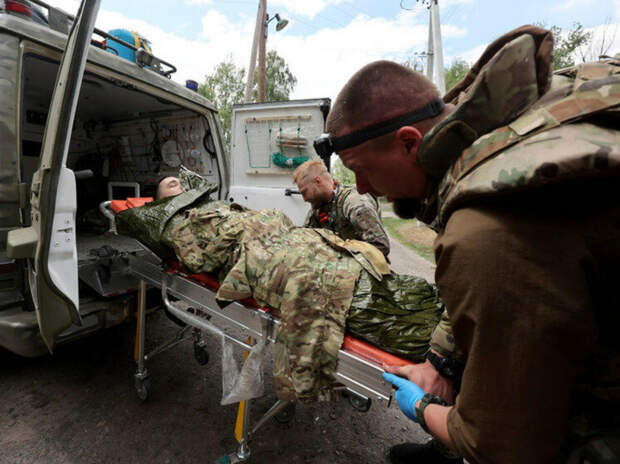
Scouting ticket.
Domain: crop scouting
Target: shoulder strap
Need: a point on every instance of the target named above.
(592, 96)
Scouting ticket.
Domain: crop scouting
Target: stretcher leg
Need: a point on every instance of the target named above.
(178, 338)
(141, 378)
(243, 452)
(200, 347)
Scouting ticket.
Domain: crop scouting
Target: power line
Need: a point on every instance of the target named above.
(357, 10)
(331, 20)
(344, 11)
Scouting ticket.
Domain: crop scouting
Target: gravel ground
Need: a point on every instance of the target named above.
(404, 260)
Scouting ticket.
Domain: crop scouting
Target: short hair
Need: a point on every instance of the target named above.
(380, 91)
(310, 168)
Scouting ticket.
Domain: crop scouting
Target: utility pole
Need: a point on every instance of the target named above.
(262, 44)
(258, 32)
(434, 56)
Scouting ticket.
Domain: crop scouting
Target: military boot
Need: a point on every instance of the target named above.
(409, 453)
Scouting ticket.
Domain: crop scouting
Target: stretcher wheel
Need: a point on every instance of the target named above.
(143, 388)
(286, 415)
(359, 403)
(201, 354)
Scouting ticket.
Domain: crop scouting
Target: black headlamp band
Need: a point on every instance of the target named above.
(358, 137)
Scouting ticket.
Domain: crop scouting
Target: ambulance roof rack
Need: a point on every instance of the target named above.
(61, 21)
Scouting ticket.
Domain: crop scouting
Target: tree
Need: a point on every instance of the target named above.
(565, 46)
(603, 38)
(341, 173)
(279, 80)
(455, 72)
(452, 74)
(226, 86)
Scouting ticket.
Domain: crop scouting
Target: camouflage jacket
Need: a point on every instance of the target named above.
(351, 216)
(261, 254)
(516, 127)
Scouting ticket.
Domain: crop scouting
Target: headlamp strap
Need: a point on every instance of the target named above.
(358, 137)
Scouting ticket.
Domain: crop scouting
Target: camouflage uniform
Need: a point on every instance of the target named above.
(261, 254)
(352, 216)
(308, 274)
(529, 251)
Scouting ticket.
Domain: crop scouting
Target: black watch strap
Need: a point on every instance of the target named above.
(427, 399)
(447, 367)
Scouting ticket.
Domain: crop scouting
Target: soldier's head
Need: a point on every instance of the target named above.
(314, 182)
(168, 187)
(385, 109)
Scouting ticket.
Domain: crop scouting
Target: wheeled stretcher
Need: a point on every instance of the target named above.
(359, 364)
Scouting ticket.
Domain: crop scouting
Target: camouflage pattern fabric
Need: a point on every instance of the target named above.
(352, 216)
(509, 82)
(151, 224)
(369, 256)
(527, 144)
(397, 313)
(261, 254)
(540, 147)
(442, 339)
(527, 141)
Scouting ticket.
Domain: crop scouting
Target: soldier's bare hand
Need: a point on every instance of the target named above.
(427, 378)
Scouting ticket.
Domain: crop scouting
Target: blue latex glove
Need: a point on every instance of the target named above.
(407, 395)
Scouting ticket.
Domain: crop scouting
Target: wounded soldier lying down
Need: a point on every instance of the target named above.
(319, 282)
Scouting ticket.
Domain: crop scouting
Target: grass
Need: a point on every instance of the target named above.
(417, 237)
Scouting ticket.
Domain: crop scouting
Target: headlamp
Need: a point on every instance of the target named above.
(325, 144)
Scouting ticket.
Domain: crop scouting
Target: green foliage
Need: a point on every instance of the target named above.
(225, 86)
(565, 46)
(455, 72)
(452, 74)
(279, 80)
(341, 173)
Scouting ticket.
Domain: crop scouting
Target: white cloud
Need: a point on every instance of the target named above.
(305, 8)
(570, 4)
(605, 40)
(470, 56)
(322, 61)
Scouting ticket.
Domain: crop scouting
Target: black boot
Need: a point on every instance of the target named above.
(422, 453)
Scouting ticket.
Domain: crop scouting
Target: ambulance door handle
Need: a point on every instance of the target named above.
(289, 191)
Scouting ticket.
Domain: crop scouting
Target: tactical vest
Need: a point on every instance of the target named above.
(336, 219)
(513, 129)
(570, 133)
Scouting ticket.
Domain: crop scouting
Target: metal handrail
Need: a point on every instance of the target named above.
(105, 35)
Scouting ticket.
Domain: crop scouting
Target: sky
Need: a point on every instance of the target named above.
(326, 41)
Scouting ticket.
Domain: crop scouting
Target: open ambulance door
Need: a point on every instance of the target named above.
(53, 272)
(268, 141)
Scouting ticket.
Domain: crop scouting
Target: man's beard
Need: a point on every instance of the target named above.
(407, 208)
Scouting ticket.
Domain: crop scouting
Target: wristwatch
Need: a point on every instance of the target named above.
(427, 399)
(447, 367)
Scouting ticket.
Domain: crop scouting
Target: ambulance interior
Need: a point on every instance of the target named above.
(129, 140)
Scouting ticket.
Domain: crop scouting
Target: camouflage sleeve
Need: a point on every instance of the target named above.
(363, 212)
(442, 340)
